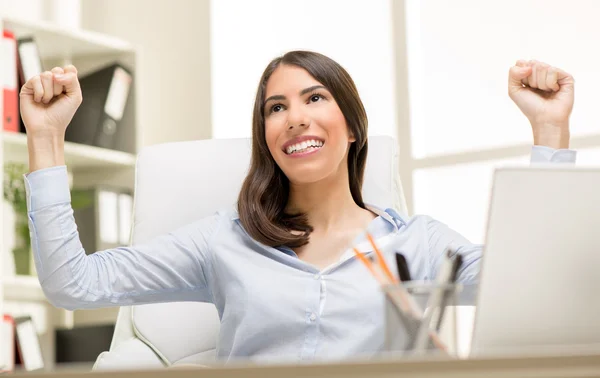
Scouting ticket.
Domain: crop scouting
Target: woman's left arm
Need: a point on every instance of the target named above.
(545, 96)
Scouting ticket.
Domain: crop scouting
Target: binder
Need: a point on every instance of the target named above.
(7, 336)
(105, 94)
(82, 343)
(29, 64)
(29, 60)
(28, 344)
(10, 116)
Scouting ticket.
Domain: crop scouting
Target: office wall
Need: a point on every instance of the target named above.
(174, 65)
(31, 10)
(246, 35)
(63, 12)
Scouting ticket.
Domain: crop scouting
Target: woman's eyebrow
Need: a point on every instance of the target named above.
(275, 97)
(310, 89)
(302, 92)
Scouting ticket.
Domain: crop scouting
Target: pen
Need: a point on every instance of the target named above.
(403, 271)
(437, 298)
(457, 263)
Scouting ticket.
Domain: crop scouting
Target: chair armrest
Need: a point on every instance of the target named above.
(129, 354)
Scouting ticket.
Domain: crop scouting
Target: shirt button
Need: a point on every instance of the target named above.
(313, 317)
(317, 276)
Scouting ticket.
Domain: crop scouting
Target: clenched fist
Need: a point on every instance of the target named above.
(49, 101)
(545, 94)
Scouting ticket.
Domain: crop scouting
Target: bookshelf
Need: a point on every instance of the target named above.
(76, 155)
(90, 166)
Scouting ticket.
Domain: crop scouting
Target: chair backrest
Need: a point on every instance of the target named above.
(177, 183)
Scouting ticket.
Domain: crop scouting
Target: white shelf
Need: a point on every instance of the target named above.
(55, 42)
(88, 51)
(22, 288)
(76, 155)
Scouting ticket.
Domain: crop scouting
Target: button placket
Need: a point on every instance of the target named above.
(311, 317)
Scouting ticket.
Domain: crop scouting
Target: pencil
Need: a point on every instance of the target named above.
(400, 299)
(369, 266)
(382, 263)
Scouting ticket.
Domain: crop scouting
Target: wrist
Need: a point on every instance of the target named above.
(551, 135)
(46, 149)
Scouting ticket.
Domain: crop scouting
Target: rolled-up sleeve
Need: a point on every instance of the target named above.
(543, 154)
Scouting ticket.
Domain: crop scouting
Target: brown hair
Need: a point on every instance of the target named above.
(265, 191)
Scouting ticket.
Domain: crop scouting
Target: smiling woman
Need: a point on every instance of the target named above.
(308, 122)
(278, 269)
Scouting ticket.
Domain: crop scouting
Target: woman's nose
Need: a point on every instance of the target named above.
(297, 118)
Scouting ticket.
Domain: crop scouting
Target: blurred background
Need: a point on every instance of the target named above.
(432, 74)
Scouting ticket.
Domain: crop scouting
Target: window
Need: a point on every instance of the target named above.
(463, 124)
(458, 195)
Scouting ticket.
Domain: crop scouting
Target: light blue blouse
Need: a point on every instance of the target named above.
(272, 305)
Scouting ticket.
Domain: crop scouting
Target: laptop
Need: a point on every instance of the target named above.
(540, 276)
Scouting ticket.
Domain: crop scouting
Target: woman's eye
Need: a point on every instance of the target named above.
(276, 108)
(315, 98)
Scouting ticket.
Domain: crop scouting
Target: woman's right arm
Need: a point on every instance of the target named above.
(172, 267)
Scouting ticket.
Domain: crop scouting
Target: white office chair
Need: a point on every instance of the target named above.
(177, 183)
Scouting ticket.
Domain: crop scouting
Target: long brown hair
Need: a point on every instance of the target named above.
(265, 191)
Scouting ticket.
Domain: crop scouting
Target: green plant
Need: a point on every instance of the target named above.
(15, 194)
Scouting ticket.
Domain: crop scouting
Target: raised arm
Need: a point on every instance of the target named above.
(545, 95)
(172, 267)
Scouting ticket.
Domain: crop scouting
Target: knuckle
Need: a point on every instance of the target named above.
(71, 68)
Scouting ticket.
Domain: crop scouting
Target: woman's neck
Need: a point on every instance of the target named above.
(328, 203)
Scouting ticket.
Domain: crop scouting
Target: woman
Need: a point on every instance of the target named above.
(279, 269)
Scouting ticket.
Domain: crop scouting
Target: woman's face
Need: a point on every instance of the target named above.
(305, 129)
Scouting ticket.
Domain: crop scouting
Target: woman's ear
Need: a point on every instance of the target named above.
(351, 137)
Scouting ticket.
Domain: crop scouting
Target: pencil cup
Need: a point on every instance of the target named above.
(421, 318)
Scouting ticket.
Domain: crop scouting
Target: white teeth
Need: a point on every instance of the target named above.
(303, 146)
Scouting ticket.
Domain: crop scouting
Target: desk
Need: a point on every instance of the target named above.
(578, 364)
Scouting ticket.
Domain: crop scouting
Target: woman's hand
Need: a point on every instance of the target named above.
(49, 101)
(545, 94)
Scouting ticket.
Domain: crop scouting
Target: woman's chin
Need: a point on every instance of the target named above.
(306, 176)
(302, 172)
